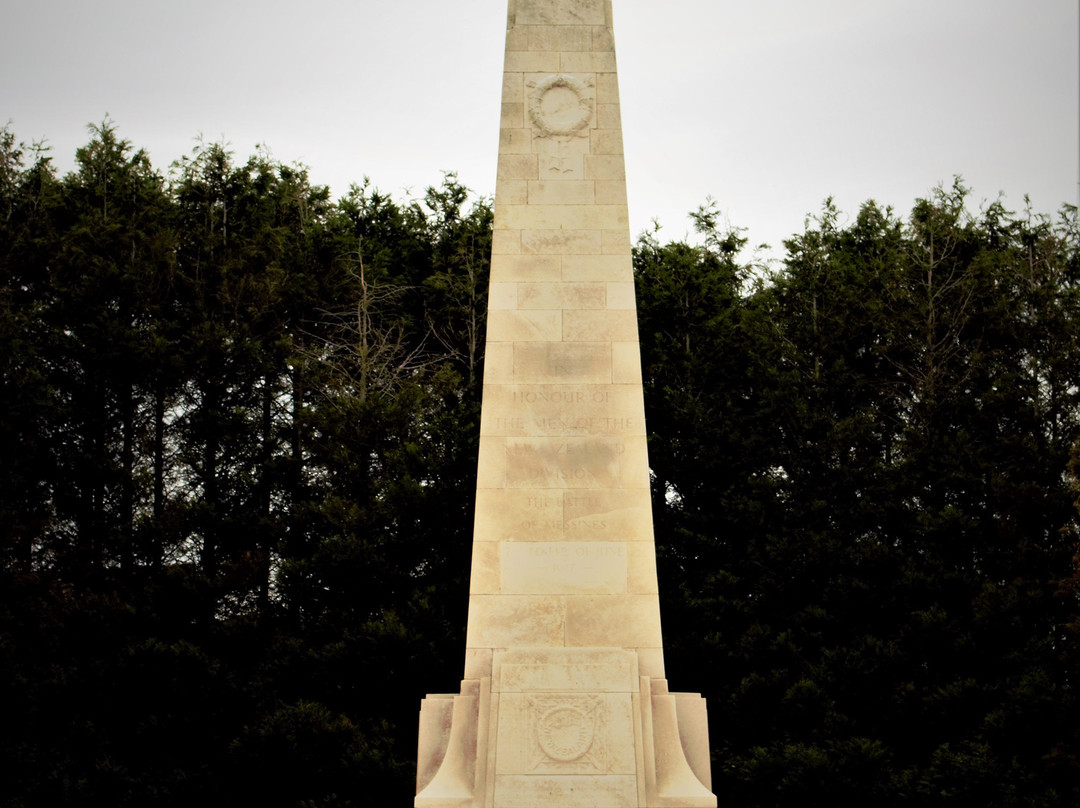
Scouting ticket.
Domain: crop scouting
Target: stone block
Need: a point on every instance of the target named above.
(553, 463)
(562, 296)
(616, 242)
(598, 217)
(491, 466)
(567, 670)
(512, 621)
(607, 88)
(608, 116)
(484, 575)
(581, 791)
(587, 62)
(520, 326)
(477, 663)
(499, 363)
(651, 662)
(501, 419)
(562, 242)
(553, 12)
(597, 268)
(626, 362)
(560, 216)
(507, 515)
(561, 192)
(517, 167)
(560, 38)
(562, 363)
(602, 40)
(513, 141)
(556, 568)
(604, 167)
(525, 268)
(503, 296)
(606, 141)
(513, 89)
(635, 463)
(641, 569)
(532, 62)
(506, 242)
(513, 115)
(513, 192)
(609, 192)
(528, 217)
(517, 38)
(559, 463)
(562, 410)
(625, 514)
(621, 296)
(610, 325)
(607, 620)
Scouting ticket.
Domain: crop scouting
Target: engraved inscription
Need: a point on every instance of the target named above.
(582, 501)
(563, 567)
(569, 558)
(561, 397)
(586, 462)
(540, 517)
(592, 448)
(589, 426)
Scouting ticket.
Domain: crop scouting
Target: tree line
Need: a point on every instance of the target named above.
(238, 432)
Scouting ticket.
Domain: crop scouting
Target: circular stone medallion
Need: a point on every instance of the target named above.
(560, 105)
(565, 733)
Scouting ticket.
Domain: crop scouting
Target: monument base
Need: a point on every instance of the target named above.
(566, 727)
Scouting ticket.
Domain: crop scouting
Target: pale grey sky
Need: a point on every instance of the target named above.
(769, 106)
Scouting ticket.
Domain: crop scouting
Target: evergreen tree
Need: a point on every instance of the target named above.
(237, 453)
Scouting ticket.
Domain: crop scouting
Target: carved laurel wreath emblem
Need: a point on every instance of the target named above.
(561, 105)
(565, 732)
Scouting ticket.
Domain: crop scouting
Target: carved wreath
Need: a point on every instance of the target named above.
(573, 122)
(567, 732)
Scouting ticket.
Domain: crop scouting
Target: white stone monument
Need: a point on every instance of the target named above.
(564, 702)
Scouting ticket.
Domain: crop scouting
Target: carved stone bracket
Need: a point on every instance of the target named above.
(452, 745)
(670, 779)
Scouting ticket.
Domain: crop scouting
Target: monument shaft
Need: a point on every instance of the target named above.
(564, 701)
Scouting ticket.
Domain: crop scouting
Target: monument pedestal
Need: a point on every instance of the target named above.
(573, 728)
(564, 702)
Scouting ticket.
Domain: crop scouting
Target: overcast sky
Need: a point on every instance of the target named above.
(768, 106)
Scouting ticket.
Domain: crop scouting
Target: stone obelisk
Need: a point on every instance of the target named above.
(564, 701)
